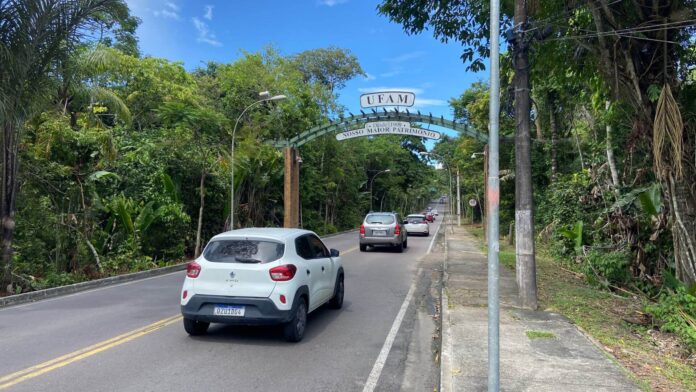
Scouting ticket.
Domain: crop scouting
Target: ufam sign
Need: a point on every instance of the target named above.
(388, 127)
(387, 98)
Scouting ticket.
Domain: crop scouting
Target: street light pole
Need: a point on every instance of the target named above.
(373, 180)
(449, 173)
(266, 98)
(493, 203)
(459, 201)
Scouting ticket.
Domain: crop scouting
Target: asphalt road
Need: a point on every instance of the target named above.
(129, 337)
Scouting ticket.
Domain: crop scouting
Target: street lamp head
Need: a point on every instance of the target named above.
(473, 156)
(264, 94)
(387, 171)
(277, 98)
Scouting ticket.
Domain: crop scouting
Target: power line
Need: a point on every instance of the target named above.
(629, 32)
(542, 22)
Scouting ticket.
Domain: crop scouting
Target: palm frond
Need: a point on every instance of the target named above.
(112, 101)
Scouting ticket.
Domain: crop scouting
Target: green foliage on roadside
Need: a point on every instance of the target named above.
(676, 312)
(606, 268)
(130, 162)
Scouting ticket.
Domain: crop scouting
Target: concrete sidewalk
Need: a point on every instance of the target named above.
(558, 357)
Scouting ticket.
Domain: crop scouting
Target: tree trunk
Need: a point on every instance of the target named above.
(201, 191)
(8, 199)
(524, 203)
(683, 213)
(610, 157)
(554, 139)
(537, 123)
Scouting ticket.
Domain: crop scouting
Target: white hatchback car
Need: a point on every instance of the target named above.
(261, 276)
(417, 224)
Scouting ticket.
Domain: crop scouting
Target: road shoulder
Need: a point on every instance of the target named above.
(538, 350)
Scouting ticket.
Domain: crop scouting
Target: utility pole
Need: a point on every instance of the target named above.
(524, 203)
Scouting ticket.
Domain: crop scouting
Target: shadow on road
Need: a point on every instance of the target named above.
(271, 335)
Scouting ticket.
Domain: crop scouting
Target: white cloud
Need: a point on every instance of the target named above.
(204, 33)
(208, 12)
(392, 73)
(170, 11)
(424, 102)
(406, 57)
(331, 3)
(382, 88)
(369, 77)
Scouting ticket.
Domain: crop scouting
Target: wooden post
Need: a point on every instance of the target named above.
(291, 188)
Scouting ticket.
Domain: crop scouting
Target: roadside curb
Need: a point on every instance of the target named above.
(33, 296)
(446, 339)
(338, 233)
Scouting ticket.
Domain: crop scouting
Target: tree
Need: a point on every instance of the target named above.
(524, 199)
(467, 21)
(33, 34)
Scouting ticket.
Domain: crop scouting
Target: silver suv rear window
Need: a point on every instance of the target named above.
(243, 251)
(380, 219)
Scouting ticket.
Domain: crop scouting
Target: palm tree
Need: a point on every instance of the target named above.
(33, 35)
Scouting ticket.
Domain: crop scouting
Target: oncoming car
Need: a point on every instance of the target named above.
(261, 276)
(417, 224)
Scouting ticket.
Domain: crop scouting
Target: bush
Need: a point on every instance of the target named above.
(677, 312)
(604, 268)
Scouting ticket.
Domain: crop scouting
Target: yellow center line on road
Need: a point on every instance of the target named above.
(348, 251)
(45, 367)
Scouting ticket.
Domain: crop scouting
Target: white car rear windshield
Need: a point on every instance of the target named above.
(416, 218)
(380, 219)
(243, 251)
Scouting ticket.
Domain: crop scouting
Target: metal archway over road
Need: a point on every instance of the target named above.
(344, 124)
(349, 127)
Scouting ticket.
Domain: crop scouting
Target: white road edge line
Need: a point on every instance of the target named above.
(446, 379)
(371, 382)
(432, 242)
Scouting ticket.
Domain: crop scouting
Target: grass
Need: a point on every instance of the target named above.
(652, 358)
(540, 335)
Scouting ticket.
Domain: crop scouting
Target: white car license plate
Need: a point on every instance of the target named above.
(228, 310)
(379, 233)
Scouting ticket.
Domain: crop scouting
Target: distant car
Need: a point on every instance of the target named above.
(430, 217)
(434, 211)
(417, 224)
(261, 276)
(383, 228)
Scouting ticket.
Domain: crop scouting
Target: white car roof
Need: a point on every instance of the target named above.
(264, 232)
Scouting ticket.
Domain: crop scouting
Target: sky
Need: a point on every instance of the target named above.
(195, 32)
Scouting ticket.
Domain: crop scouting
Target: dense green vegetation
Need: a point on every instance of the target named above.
(613, 91)
(124, 161)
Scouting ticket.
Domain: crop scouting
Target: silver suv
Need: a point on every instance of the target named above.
(383, 228)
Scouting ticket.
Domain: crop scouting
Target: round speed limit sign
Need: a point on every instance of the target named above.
(472, 202)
